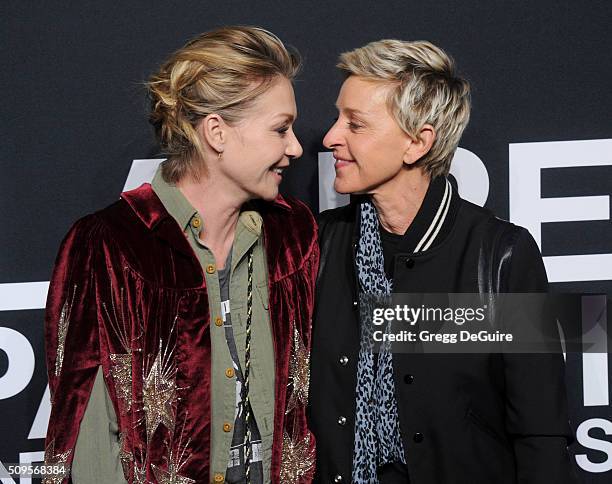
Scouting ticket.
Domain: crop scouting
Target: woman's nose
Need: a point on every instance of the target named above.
(333, 137)
(294, 149)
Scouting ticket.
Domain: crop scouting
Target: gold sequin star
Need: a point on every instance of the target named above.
(297, 459)
(159, 392)
(121, 370)
(57, 462)
(170, 476)
(299, 373)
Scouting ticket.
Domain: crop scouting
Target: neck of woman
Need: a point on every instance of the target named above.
(219, 208)
(398, 200)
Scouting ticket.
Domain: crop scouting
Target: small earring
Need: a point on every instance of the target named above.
(220, 155)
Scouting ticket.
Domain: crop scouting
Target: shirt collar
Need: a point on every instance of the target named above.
(251, 221)
(186, 215)
(173, 199)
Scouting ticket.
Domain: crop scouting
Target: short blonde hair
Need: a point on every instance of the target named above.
(222, 71)
(425, 90)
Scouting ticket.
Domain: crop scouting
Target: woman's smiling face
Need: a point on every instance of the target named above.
(367, 143)
(259, 147)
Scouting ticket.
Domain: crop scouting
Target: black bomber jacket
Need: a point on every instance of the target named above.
(464, 419)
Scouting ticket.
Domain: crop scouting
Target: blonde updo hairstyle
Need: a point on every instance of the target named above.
(425, 89)
(222, 71)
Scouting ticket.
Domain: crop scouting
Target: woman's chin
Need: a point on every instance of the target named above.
(265, 193)
(270, 195)
(343, 187)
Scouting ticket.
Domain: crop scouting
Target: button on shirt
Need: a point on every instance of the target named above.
(225, 399)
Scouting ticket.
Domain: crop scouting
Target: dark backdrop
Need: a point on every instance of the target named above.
(74, 118)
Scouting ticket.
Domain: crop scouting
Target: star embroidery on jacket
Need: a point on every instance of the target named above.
(299, 372)
(121, 363)
(62, 330)
(170, 476)
(159, 392)
(140, 473)
(121, 371)
(57, 463)
(175, 463)
(297, 459)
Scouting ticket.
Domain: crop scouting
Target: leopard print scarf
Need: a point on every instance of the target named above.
(377, 433)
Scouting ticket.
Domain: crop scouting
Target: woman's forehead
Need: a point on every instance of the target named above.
(362, 96)
(276, 102)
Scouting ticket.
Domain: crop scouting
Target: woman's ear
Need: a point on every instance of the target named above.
(420, 146)
(213, 130)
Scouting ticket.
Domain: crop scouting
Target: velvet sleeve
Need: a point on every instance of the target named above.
(71, 340)
(536, 401)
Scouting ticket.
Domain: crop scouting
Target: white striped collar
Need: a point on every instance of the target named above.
(436, 224)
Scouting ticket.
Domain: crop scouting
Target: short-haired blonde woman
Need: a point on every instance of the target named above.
(178, 318)
(435, 419)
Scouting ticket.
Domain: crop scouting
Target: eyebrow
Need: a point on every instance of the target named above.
(288, 117)
(352, 111)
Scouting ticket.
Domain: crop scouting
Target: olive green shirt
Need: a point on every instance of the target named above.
(93, 458)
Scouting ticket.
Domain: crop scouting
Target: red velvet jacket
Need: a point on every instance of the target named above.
(128, 293)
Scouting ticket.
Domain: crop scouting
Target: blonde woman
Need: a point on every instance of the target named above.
(177, 323)
(422, 418)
